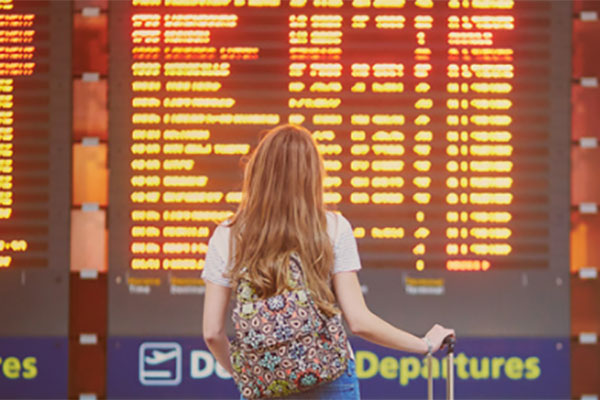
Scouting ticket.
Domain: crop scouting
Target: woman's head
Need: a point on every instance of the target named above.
(284, 176)
(281, 212)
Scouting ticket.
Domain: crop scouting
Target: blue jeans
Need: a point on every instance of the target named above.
(343, 388)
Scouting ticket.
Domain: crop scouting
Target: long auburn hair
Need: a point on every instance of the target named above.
(282, 212)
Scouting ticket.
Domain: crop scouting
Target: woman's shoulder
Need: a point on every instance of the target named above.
(221, 232)
(337, 224)
(337, 217)
(219, 240)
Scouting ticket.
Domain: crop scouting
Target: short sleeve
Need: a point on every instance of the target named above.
(345, 250)
(215, 264)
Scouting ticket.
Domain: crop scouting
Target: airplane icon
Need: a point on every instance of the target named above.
(160, 364)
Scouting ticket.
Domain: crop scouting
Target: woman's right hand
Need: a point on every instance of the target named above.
(436, 336)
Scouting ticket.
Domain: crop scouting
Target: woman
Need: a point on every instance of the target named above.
(282, 212)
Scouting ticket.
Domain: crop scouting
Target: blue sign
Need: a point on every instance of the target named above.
(33, 367)
(484, 368)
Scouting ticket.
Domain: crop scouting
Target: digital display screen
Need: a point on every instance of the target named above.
(24, 134)
(433, 118)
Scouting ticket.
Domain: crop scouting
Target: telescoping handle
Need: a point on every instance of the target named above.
(449, 343)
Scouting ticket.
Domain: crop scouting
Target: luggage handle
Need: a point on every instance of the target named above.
(448, 342)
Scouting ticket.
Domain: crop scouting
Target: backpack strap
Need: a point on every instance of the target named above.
(296, 276)
(296, 265)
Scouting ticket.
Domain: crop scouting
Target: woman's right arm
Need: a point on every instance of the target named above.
(362, 322)
(216, 300)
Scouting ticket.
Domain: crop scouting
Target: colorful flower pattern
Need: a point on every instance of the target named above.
(284, 344)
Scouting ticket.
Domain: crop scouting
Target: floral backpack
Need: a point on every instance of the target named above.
(284, 344)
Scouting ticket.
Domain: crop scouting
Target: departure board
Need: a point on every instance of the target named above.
(433, 118)
(35, 170)
(24, 134)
